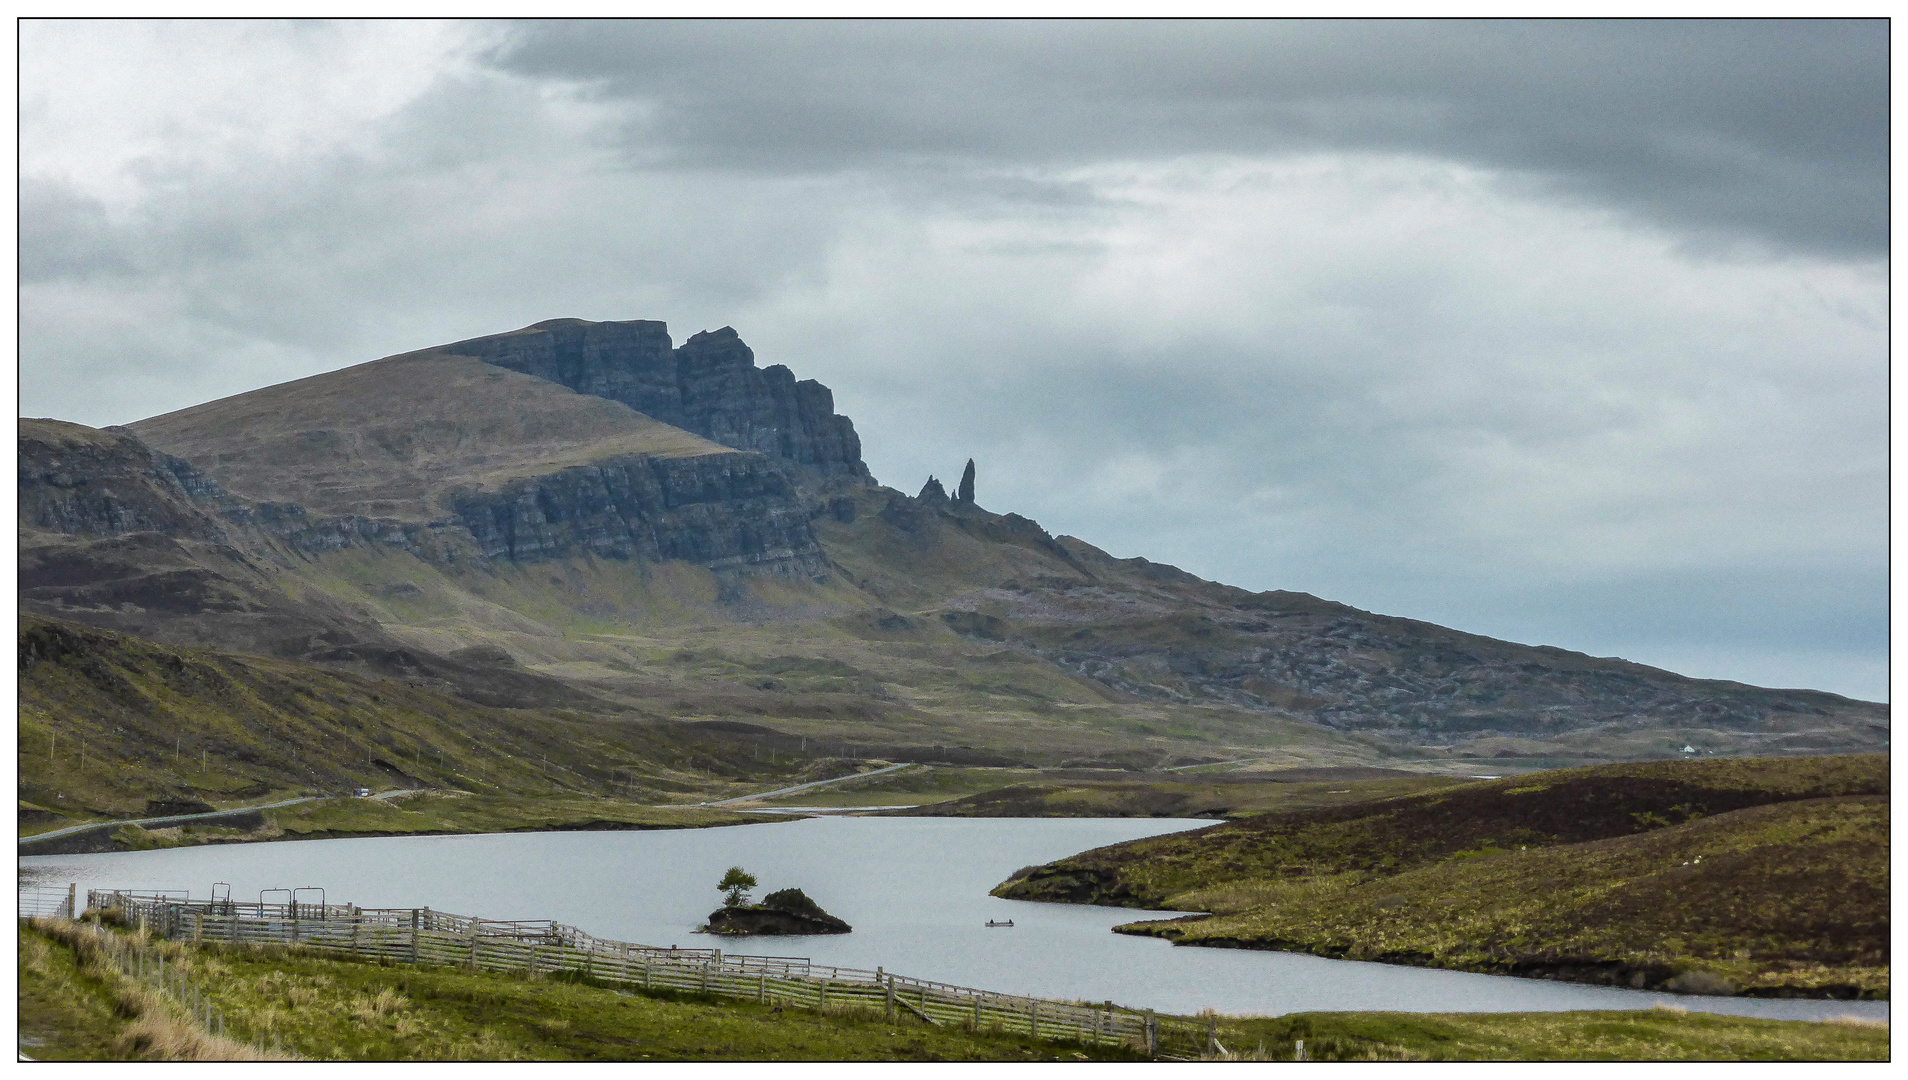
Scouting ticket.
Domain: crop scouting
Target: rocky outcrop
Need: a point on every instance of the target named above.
(785, 912)
(933, 492)
(722, 511)
(964, 496)
(84, 481)
(710, 385)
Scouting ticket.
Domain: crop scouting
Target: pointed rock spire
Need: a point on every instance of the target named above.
(965, 493)
(932, 491)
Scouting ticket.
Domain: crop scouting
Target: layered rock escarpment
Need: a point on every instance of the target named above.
(722, 511)
(454, 459)
(710, 385)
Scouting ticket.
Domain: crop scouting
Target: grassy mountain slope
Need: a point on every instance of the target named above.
(111, 726)
(387, 438)
(818, 659)
(1764, 876)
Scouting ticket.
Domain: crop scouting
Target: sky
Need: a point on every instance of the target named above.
(1571, 333)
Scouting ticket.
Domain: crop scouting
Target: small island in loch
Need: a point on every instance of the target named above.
(783, 912)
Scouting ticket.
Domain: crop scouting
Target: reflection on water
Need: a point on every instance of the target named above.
(915, 890)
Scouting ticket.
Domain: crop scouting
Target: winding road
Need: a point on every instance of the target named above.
(805, 787)
(176, 818)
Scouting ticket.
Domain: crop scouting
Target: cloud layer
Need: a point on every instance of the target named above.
(1570, 333)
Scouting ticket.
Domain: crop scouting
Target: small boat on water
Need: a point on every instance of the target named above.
(991, 922)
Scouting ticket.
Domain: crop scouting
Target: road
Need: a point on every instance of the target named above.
(805, 787)
(71, 829)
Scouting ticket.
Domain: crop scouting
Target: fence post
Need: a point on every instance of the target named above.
(414, 929)
(761, 989)
(198, 927)
(821, 996)
(890, 998)
(72, 899)
(1152, 1034)
(1212, 1034)
(473, 946)
(1033, 1017)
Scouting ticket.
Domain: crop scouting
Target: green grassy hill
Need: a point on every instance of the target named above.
(1756, 875)
(113, 726)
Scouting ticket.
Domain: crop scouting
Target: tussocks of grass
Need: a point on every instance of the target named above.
(155, 1028)
(158, 1034)
(36, 955)
(381, 1005)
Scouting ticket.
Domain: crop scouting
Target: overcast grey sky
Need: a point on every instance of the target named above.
(1570, 333)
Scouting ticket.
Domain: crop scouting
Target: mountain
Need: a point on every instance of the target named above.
(579, 512)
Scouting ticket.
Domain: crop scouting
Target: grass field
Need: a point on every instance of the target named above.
(1641, 1035)
(338, 1010)
(1223, 795)
(1758, 876)
(291, 1003)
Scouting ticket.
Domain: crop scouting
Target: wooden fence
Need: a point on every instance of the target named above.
(425, 936)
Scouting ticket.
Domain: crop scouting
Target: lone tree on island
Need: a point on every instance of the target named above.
(737, 883)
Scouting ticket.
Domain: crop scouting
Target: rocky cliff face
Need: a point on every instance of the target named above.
(87, 482)
(727, 511)
(710, 386)
(722, 511)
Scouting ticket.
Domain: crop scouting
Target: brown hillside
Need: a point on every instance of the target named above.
(387, 439)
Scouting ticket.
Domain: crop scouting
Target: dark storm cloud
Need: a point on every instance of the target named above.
(1764, 129)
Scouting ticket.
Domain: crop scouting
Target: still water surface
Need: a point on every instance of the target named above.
(915, 890)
